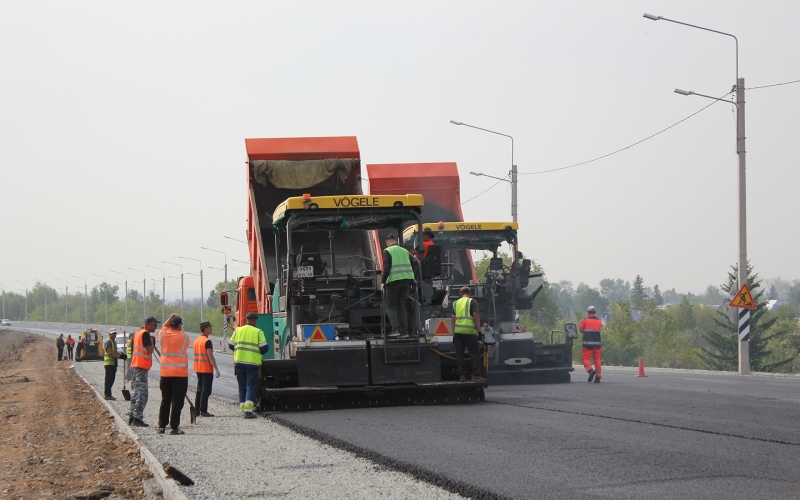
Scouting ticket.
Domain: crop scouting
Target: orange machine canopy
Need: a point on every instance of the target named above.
(302, 148)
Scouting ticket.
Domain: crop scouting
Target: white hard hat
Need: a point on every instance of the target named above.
(113, 330)
(591, 309)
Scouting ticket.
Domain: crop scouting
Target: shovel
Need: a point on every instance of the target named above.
(125, 392)
(192, 411)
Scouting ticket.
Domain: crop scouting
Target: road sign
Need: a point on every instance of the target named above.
(744, 325)
(743, 299)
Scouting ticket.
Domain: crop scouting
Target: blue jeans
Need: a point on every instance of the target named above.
(247, 375)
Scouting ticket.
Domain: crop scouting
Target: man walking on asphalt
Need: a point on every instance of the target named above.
(466, 323)
(174, 372)
(60, 346)
(143, 347)
(70, 347)
(249, 344)
(205, 367)
(592, 347)
(110, 357)
(397, 278)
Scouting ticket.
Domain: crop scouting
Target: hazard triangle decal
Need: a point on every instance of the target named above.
(743, 299)
(441, 328)
(318, 336)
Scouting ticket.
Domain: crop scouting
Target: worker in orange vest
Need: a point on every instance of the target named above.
(174, 374)
(205, 367)
(592, 347)
(142, 361)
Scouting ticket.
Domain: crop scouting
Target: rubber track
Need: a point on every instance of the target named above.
(678, 427)
(425, 475)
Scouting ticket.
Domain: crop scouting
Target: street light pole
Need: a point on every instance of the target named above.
(85, 300)
(202, 297)
(144, 291)
(513, 166)
(66, 299)
(26, 299)
(744, 314)
(173, 264)
(126, 295)
(105, 282)
(163, 290)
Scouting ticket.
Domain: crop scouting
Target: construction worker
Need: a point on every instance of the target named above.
(129, 353)
(110, 357)
(397, 278)
(466, 324)
(60, 346)
(427, 241)
(143, 347)
(174, 374)
(70, 347)
(592, 347)
(249, 344)
(204, 366)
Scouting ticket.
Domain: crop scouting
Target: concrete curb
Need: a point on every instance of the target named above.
(169, 487)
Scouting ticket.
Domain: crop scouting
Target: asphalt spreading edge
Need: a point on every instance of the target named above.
(425, 475)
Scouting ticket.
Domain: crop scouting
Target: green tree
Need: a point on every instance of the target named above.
(685, 314)
(586, 296)
(638, 293)
(657, 298)
(615, 290)
(619, 343)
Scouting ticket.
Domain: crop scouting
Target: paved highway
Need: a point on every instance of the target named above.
(670, 435)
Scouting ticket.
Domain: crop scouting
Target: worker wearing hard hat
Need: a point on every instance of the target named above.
(592, 347)
(110, 357)
(249, 344)
(397, 278)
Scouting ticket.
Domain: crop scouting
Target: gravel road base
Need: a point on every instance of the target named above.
(229, 456)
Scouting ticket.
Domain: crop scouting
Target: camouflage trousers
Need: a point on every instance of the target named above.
(138, 392)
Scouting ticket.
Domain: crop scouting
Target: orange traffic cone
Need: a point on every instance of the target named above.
(641, 368)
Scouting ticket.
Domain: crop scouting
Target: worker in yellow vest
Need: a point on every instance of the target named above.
(249, 344)
(205, 367)
(174, 372)
(466, 324)
(110, 357)
(398, 275)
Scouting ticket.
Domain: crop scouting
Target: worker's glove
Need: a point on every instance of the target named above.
(123, 356)
(216, 372)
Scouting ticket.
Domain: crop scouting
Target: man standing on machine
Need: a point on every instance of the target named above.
(397, 278)
(592, 347)
(466, 323)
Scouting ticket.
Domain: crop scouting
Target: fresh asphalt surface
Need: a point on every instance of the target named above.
(673, 434)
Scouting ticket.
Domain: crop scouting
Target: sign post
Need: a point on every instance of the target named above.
(744, 301)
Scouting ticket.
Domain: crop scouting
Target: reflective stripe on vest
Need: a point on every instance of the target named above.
(465, 323)
(247, 341)
(141, 358)
(109, 360)
(174, 357)
(201, 362)
(591, 327)
(401, 264)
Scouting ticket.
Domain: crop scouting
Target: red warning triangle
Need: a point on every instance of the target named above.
(743, 299)
(318, 336)
(441, 328)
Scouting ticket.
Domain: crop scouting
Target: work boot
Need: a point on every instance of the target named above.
(591, 375)
(137, 422)
(176, 432)
(161, 430)
(393, 335)
(478, 378)
(597, 380)
(241, 407)
(205, 414)
(462, 378)
(110, 398)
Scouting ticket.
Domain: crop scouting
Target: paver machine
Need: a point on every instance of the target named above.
(91, 347)
(315, 284)
(501, 293)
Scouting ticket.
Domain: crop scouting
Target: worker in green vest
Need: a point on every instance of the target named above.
(129, 353)
(249, 344)
(398, 275)
(466, 324)
(110, 357)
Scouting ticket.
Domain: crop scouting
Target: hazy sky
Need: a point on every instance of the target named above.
(122, 126)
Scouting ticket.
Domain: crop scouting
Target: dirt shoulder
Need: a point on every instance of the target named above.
(57, 440)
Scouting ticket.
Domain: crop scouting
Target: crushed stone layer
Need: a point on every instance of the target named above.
(227, 455)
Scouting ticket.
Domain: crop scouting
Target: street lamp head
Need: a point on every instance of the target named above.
(476, 173)
(652, 17)
(455, 122)
(684, 92)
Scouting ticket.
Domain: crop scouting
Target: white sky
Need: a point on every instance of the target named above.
(122, 126)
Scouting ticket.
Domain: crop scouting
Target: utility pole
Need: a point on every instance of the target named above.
(144, 291)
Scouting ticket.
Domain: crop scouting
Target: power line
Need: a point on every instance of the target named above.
(484, 191)
(773, 85)
(626, 147)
